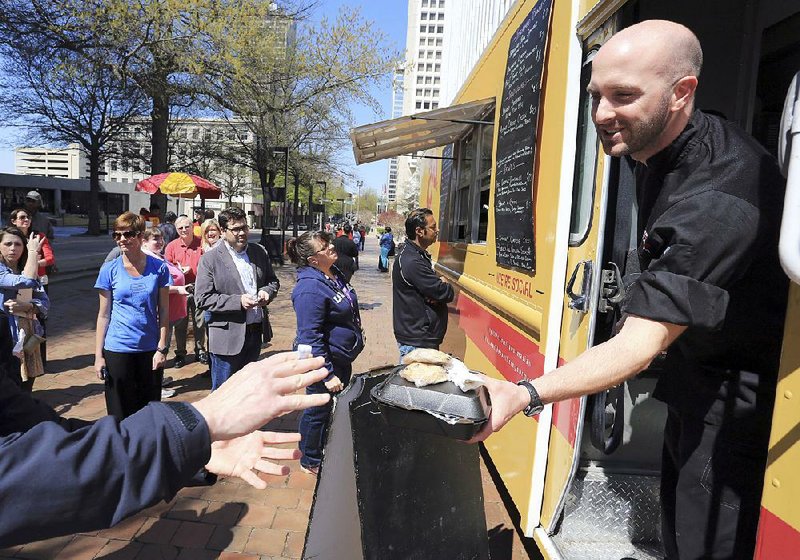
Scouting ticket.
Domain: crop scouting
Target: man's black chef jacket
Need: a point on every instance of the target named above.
(709, 217)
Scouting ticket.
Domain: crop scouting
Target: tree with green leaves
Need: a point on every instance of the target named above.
(294, 87)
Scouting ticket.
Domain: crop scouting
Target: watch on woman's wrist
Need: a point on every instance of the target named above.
(535, 406)
(163, 350)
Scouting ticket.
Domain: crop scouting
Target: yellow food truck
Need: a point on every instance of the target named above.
(530, 234)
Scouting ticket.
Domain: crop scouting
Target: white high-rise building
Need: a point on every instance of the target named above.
(397, 111)
(422, 78)
(64, 163)
(471, 24)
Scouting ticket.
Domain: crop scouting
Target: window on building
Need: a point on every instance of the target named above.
(436, 79)
(438, 55)
(422, 28)
(195, 134)
(429, 55)
(427, 92)
(419, 104)
(441, 3)
(440, 29)
(113, 165)
(441, 17)
(423, 16)
(430, 40)
(421, 54)
(437, 68)
(419, 79)
(434, 105)
(431, 29)
(420, 67)
(427, 79)
(438, 41)
(425, 3)
(429, 67)
(426, 105)
(421, 41)
(419, 92)
(470, 191)
(436, 93)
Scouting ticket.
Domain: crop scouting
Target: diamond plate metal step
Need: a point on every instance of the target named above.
(611, 516)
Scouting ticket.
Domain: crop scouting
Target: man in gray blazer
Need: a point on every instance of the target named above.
(235, 283)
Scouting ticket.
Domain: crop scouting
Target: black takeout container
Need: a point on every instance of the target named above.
(405, 405)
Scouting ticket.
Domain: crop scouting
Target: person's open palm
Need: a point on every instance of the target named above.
(247, 456)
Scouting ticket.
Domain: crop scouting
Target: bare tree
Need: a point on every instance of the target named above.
(63, 97)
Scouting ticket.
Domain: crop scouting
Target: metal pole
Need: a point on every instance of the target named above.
(310, 219)
(285, 190)
(294, 207)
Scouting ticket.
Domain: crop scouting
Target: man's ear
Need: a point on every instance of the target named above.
(683, 92)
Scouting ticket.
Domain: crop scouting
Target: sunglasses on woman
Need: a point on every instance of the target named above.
(117, 235)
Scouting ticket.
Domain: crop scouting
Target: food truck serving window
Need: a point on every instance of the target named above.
(472, 179)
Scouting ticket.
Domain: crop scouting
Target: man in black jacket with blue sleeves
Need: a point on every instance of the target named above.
(60, 476)
(420, 296)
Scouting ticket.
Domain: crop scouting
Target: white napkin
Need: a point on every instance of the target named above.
(460, 374)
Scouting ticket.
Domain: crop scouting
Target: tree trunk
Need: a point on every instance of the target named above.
(159, 161)
(94, 191)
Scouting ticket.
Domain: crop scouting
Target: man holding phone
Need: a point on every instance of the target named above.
(235, 283)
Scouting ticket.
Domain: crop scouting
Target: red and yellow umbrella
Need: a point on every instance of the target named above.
(180, 185)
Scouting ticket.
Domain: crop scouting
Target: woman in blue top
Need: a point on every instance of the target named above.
(17, 271)
(131, 338)
(386, 242)
(327, 320)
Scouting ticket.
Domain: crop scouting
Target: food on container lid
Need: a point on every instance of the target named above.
(423, 374)
(426, 356)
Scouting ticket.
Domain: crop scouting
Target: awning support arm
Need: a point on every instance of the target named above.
(459, 121)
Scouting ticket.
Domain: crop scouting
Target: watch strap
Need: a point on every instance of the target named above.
(535, 406)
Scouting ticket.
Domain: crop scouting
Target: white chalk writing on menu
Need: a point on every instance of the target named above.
(516, 144)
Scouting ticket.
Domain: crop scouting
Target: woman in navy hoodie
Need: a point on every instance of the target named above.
(327, 320)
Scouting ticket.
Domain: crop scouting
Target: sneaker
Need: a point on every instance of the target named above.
(202, 357)
(179, 362)
(313, 471)
(167, 393)
(166, 381)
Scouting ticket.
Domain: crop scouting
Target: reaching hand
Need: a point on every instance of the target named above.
(260, 392)
(508, 400)
(246, 456)
(334, 384)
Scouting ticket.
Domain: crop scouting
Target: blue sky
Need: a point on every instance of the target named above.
(388, 15)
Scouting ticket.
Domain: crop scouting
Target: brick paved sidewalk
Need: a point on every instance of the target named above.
(229, 520)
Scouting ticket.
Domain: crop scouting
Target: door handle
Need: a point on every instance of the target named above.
(580, 302)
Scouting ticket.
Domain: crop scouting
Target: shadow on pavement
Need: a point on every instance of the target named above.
(71, 363)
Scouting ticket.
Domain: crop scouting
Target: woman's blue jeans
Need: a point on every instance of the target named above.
(385, 258)
(314, 421)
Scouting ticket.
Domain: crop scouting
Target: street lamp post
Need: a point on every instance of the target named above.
(294, 205)
(324, 203)
(285, 151)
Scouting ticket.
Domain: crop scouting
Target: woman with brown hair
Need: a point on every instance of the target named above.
(18, 315)
(131, 338)
(327, 320)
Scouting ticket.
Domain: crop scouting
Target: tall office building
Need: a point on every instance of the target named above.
(397, 111)
(471, 24)
(421, 80)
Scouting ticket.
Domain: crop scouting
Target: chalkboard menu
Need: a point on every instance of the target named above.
(444, 192)
(516, 143)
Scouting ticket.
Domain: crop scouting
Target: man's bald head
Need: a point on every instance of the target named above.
(643, 85)
(672, 47)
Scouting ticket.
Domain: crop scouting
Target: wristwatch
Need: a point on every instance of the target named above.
(163, 350)
(536, 405)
